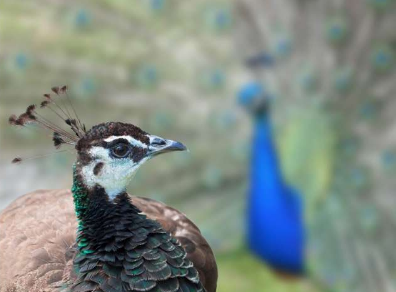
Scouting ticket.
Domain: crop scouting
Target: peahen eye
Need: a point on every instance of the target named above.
(121, 150)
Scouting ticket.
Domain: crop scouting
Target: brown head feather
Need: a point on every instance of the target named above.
(63, 89)
(12, 120)
(44, 104)
(71, 122)
(26, 118)
(55, 89)
(17, 160)
(58, 140)
(30, 109)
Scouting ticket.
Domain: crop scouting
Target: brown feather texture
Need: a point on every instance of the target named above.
(38, 235)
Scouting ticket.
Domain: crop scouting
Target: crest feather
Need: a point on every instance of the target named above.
(32, 118)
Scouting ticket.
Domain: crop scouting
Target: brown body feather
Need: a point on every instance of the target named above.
(38, 232)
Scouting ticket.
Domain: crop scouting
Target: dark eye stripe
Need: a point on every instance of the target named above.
(138, 154)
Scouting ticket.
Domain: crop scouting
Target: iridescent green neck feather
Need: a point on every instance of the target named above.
(80, 197)
(81, 201)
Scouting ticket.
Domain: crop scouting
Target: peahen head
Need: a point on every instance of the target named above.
(254, 98)
(109, 154)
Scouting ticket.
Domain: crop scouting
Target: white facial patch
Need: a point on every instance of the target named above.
(115, 174)
(131, 140)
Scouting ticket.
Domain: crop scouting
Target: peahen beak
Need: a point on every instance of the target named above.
(160, 145)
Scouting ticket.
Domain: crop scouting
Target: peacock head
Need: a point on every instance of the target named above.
(254, 98)
(108, 154)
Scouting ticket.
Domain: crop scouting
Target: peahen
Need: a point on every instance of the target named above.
(123, 243)
(275, 212)
(329, 66)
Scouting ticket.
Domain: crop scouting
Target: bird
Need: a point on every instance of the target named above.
(97, 237)
(332, 106)
(275, 224)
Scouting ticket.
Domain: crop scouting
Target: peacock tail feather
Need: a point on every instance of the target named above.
(329, 66)
(332, 82)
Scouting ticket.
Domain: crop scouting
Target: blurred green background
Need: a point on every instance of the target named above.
(173, 68)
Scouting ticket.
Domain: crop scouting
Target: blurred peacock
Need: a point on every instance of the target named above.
(329, 66)
(275, 212)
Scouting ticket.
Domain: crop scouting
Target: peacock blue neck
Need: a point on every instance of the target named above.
(266, 176)
(275, 228)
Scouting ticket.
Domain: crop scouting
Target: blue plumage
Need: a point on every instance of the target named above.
(275, 211)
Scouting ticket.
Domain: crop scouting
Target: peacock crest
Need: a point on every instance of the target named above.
(60, 104)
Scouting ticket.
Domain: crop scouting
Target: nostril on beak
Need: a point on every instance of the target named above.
(160, 145)
(158, 142)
